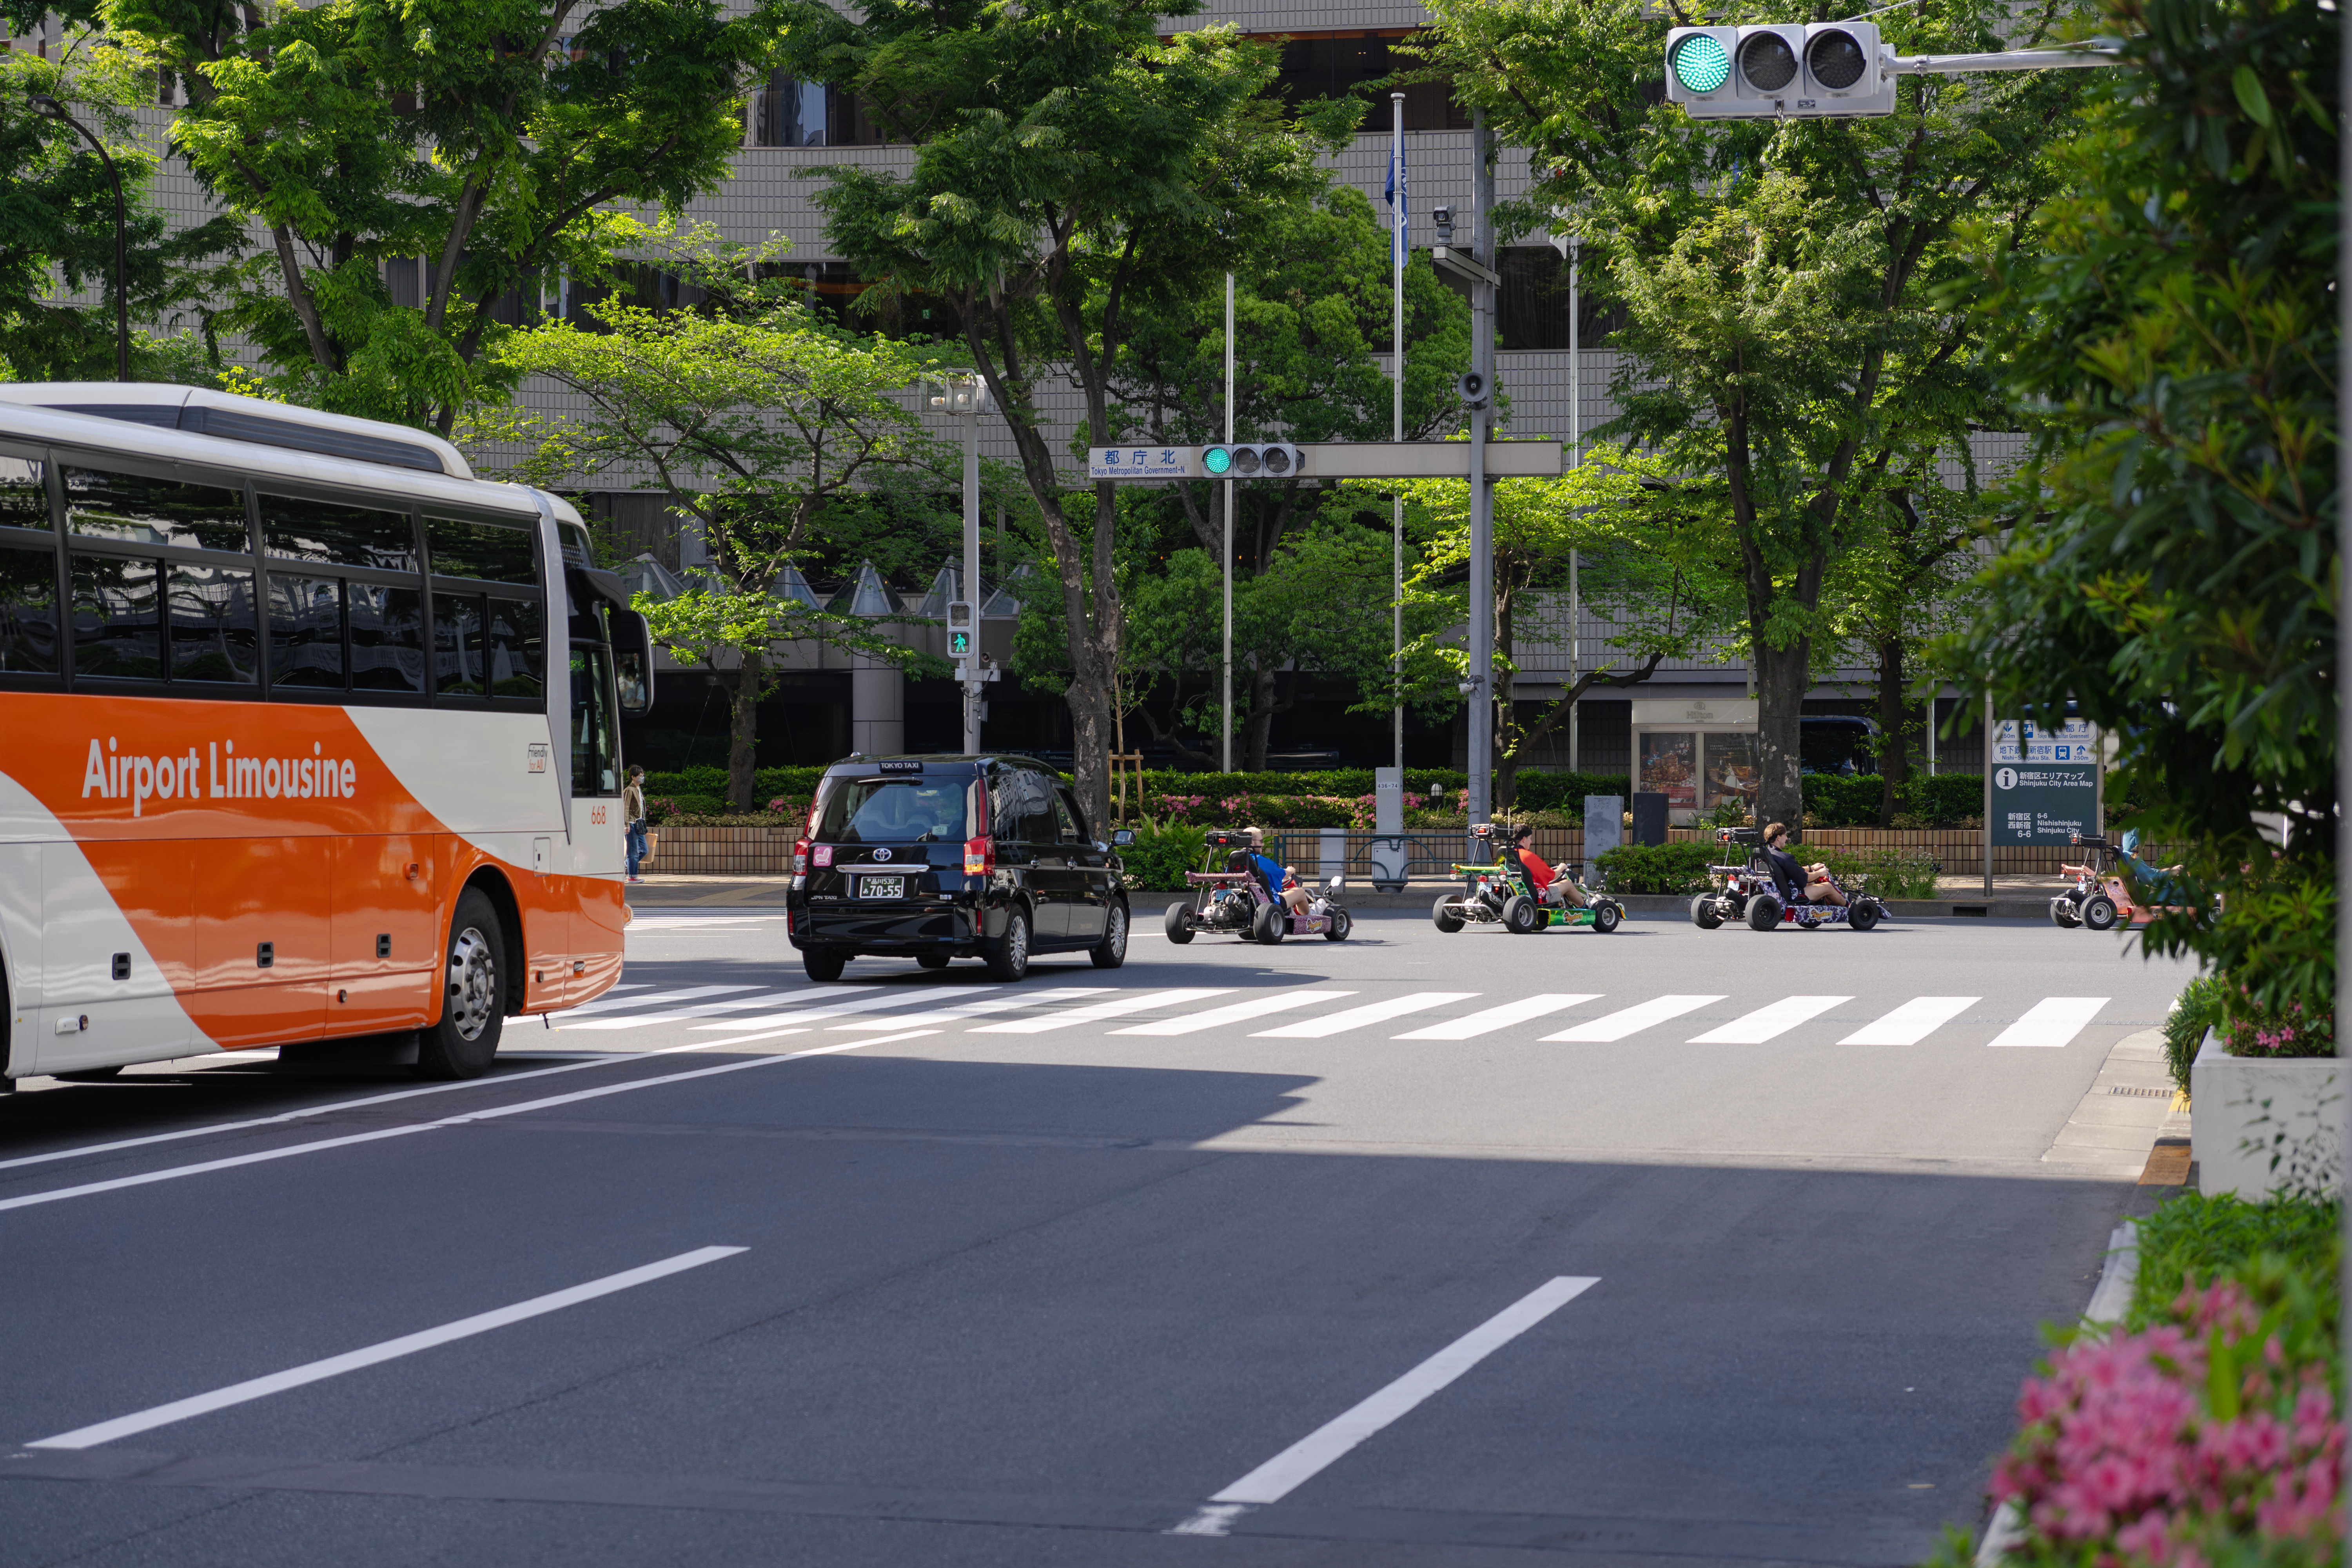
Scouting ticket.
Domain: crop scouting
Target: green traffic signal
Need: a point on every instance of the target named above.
(1217, 459)
(1700, 63)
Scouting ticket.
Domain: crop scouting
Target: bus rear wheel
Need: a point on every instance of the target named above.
(473, 1005)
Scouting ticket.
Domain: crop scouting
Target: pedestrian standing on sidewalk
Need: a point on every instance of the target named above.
(632, 812)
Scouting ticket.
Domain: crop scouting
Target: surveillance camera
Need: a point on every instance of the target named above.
(1443, 218)
(1472, 389)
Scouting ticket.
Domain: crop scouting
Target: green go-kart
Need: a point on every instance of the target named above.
(1500, 892)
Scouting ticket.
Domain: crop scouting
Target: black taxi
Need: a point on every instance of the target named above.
(938, 857)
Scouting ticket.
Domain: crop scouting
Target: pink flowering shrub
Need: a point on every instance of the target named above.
(2250, 1031)
(2173, 1445)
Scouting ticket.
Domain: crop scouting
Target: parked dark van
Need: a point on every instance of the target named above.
(939, 857)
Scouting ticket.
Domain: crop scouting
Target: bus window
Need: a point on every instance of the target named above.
(28, 610)
(516, 650)
(457, 643)
(136, 510)
(215, 631)
(486, 552)
(305, 632)
(387, 637)
(118, 624)
(338, 534)
(595, 743)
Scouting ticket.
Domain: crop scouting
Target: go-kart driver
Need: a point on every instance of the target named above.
(1553, 885)
(1813, 882)
(1291, 899)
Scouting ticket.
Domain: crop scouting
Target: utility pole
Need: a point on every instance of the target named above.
(976, 394)
(1396, 520)
(1479, 687)
(1228, 660)
(1575, 460)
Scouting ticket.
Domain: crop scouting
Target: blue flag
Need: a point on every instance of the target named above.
(1398, 205)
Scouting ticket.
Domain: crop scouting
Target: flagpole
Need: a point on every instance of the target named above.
(1403, 221)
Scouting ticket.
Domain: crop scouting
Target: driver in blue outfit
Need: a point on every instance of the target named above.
(1292, 898)
(1810, 883)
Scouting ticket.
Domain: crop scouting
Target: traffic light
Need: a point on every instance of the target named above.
(1269, 460)
(1817, 70)
(959, 628)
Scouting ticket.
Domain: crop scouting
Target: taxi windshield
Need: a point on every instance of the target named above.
(894, 811)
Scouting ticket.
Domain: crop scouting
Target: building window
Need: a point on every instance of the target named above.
(1531, 307)
(1333, 64)
(791, 112)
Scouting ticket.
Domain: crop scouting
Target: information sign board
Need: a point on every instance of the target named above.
(1142, 462)
(2045, 781)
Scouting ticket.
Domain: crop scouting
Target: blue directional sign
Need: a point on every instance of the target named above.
(1140, 463)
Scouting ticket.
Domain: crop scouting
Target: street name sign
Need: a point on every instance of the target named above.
(1347, 460)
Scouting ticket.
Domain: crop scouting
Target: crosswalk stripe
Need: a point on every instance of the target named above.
(698, 1010)
(907, 997)
(1356, 1018)
(2053, 1021)
(1912, 1022)
(1768, 1022)
(1236, 1012)
(977, 1009)
(1631, 1020)
(1116, 1008)
(1470, 1025)
(609, 1003)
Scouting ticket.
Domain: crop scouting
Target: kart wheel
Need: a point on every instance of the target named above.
(1704, 913)
(1271, 923)
(1607, 915)
(2099, 912)
(1442, 915)
(1518, 916)
(1763, 911)
(1179, 923)
(2062, 914)
(1341, 926)
(1862, 916)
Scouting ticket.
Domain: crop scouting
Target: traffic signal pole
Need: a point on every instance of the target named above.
(972, 685)
(1481, 598)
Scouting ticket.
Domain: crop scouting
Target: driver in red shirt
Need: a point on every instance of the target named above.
(1544, 875)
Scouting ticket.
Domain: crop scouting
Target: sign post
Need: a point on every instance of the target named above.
(2042, 786)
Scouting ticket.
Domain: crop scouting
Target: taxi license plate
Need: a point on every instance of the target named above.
(881, 886)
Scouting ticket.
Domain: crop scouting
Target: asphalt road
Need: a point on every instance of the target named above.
(1093, 1270)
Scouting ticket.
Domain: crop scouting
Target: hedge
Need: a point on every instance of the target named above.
(1945, 800)
(1656, 868)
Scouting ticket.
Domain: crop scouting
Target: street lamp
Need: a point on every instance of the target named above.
(45, 104)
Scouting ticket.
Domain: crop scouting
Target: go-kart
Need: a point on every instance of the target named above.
(1752, 892)
(1236, 903)
(2100, 899)
(1500, 890)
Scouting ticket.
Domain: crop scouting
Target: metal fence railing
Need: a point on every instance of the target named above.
(1321, 853)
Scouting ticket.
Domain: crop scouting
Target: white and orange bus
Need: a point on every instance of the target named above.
(307, 734)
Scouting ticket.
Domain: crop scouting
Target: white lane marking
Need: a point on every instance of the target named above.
(979, 1009)
(321, 1145)
(1912, 1022)
(1768, 1022)
(1356, 1018)
(1138, 1003)
(1236, 1012)
(897, 998)
(335, 1106)
(1471, 1025)
(388, 1349)
(610, 1004)
(1631, 1020)
(2053, 1021)
(699, 1010)
(1311, 1455)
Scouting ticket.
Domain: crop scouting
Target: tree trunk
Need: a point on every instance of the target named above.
(743, 731)
(1782, 674)
(1894, 738)
(1258, 736)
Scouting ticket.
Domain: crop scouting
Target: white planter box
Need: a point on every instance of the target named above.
(2250, 1111)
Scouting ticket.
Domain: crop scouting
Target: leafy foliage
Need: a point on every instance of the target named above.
(1656, 868)
(2201, 1004)
(2173, 331)
(1162, 852)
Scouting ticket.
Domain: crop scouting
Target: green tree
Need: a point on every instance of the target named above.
(1787, 347)
(495, 142)
(1652, 563)
(57, 217)
(1066, 161)
(754, 422)
(2173, 331)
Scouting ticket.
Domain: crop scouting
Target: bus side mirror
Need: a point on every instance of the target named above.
(633, 662)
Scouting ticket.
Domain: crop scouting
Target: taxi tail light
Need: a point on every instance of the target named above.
(979, 856)
(800, 856)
